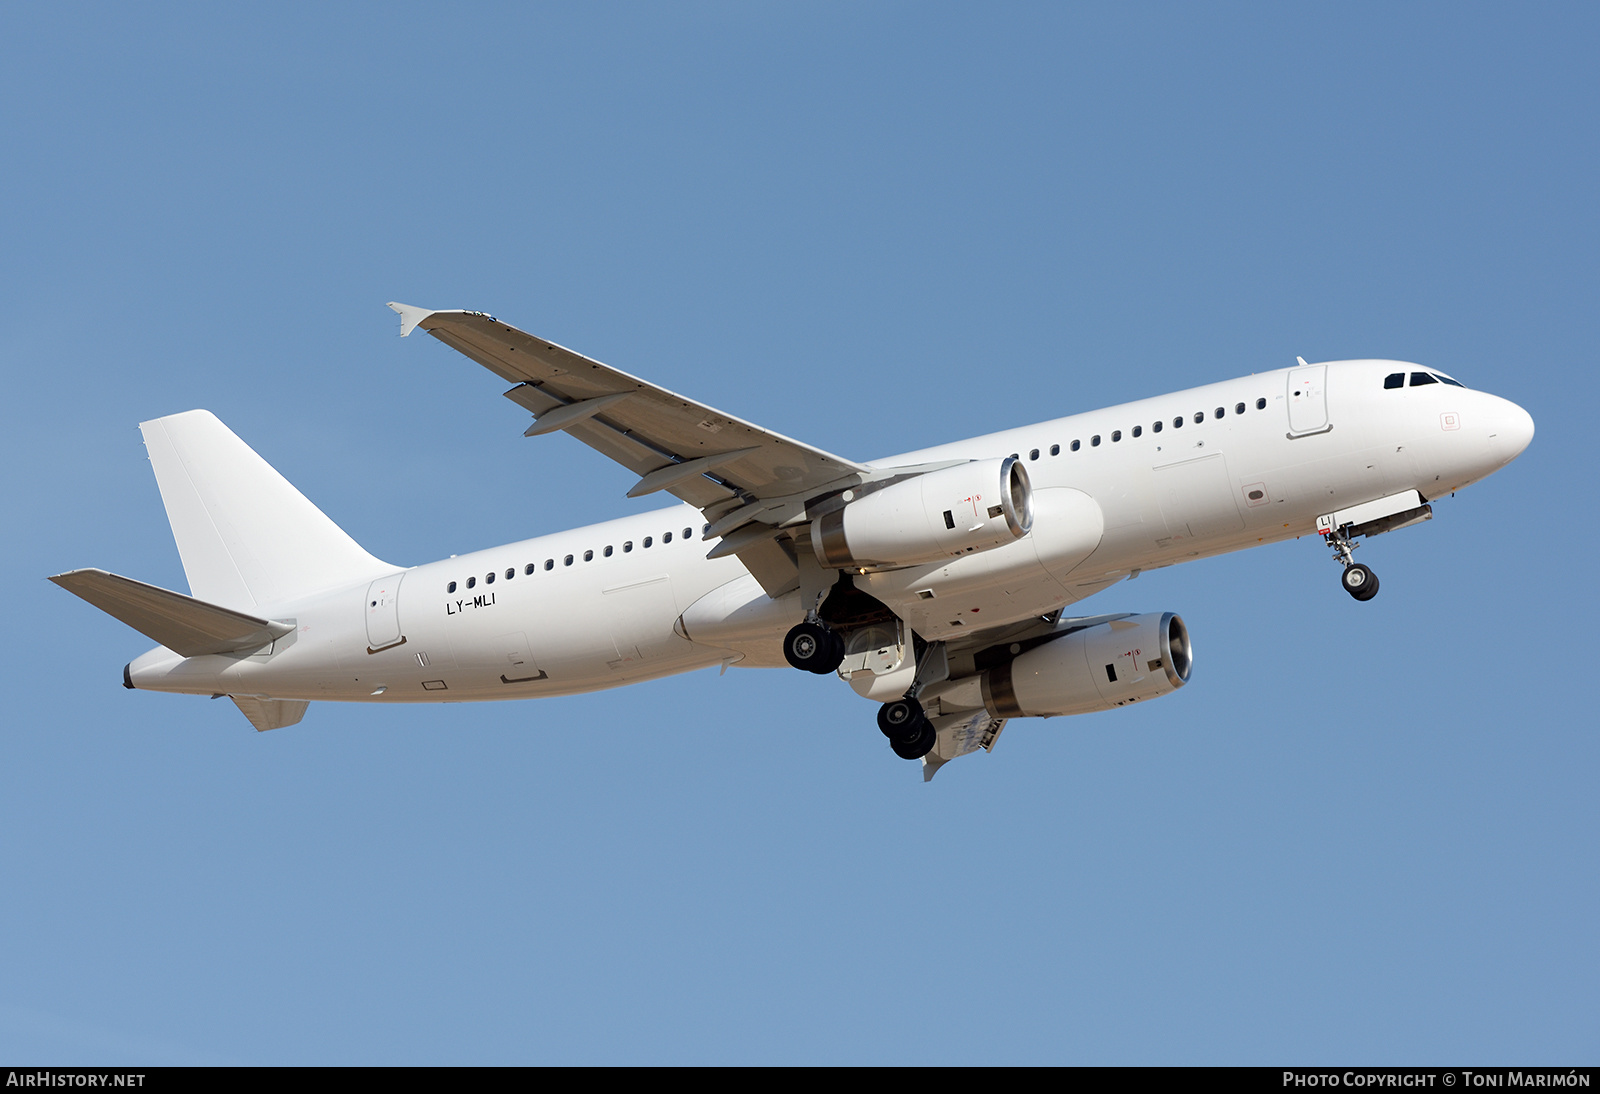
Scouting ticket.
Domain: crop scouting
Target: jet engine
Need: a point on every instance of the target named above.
(937, 515)
(1107, 665)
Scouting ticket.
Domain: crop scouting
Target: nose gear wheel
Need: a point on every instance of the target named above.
(1360, 582)
(1358, 579)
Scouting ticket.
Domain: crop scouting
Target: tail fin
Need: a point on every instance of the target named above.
(246, 536)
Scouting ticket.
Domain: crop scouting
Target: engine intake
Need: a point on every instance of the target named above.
(1097, 668)
(934, 516)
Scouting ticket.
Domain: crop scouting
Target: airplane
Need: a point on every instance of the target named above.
(936, 583)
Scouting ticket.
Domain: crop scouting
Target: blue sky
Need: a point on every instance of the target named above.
(1363, 832)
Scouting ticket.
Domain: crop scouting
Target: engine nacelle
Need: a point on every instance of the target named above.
(1100, 667)
(938, 515)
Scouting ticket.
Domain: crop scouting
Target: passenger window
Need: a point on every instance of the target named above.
(1094, 441)
(511, 573)
(628, 546)
(1177, 423)
(1220, 413)
(567, 561)
(488, 578)
(1238, 408)
(1116, 435)
(1138, 429)
(687, 532)
(1155, 427)
(666, 537)
(1199, 416)
(647, 541)
(608, 550)
(1394, 380)
(1076, 445)
(452, 587)
(1420, 378)
(588, 556)
(1033, 454)
(529, 568)
(472, 582)
(549, 564)
(1055, 450)
(1261, 404)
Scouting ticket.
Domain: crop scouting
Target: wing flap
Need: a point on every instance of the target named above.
(959, 735)
(181, 623)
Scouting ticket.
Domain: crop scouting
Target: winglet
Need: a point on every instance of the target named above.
(410, 316)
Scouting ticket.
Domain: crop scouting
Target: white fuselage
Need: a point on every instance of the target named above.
(1255, 460)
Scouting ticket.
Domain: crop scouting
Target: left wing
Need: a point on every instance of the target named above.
(690, 450)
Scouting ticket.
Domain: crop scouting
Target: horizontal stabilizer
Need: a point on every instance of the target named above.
(267, 714)
(181, 623)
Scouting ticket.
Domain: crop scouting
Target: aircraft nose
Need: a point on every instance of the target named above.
(1510, 431)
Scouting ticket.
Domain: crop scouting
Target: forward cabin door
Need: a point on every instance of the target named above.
(383, 613)
(1308, 400)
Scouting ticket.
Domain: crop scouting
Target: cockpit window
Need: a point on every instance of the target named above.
(1394, 379)
(1443, 379)
(1420, 378)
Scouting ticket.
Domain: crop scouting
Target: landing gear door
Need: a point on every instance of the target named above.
(383, 613)
(1308, 400)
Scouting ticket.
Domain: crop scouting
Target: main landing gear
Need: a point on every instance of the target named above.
(910, 733)
(1358, 580)
(812, 646)
(904, 721)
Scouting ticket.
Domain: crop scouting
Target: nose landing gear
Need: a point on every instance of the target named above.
(1358, 580)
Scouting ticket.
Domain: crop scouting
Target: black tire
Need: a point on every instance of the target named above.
(916, 745)
(899, 718)
(1360, 582)
(811, 647)
(835, 656)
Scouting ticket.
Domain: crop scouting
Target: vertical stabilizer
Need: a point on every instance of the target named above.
(246, 536)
